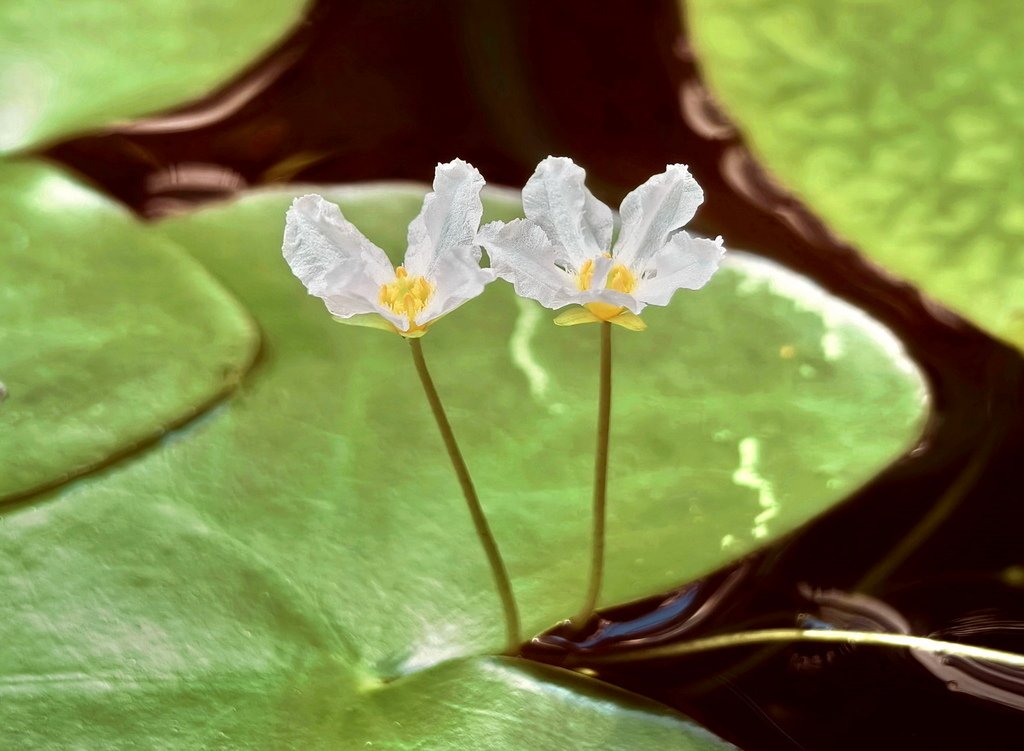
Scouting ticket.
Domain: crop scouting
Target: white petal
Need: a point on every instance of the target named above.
(369, 321)
(599, 272)
(521, 253)
(399, 322)
(611, 297)
(652, 212)
(457, 278)
(557, 199)
(332, 258)
(449, 218)
(685, 262)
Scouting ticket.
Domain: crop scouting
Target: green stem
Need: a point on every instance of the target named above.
(483, 530)
(604, 412)
(775, 635)
(948, 502)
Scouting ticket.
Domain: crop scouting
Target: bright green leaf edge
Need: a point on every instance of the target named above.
(79, 64)
(108, 335)
(900, 125)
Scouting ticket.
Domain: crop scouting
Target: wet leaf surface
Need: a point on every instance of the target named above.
(901, 129)
(299, 569)
(57, 77)
(108, 334)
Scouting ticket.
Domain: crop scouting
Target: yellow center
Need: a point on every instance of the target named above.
(406, 296)
(620, 279)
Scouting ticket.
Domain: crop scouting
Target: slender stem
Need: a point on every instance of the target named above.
(483, 530)
(604, 413)
(775, 635)
(948, 502)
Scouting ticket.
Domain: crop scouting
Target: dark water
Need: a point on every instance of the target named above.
(369, 90)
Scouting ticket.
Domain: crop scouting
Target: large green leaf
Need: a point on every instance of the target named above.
(108, 335)
(77, 64)
(746, 409)
(300, 568)
(901, 124)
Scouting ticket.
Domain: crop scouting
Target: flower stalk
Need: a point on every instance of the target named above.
(483, 531)
(783, 635)
(604, 409)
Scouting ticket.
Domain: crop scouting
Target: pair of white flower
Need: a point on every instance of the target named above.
(560, 255)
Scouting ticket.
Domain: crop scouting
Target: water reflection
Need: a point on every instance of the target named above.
(226, 103)
(983, 679)
(650, 623)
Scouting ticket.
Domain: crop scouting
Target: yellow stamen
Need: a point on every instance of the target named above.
(585, 275)
(407, 296)
(619, 279)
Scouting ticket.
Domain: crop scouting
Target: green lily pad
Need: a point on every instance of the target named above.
(108, 335)
(900, 125)
(476, 703)
(69, 66)
(300, 569)
(748, 408)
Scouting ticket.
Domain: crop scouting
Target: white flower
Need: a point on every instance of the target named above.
(561, 254)
(358, 283)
